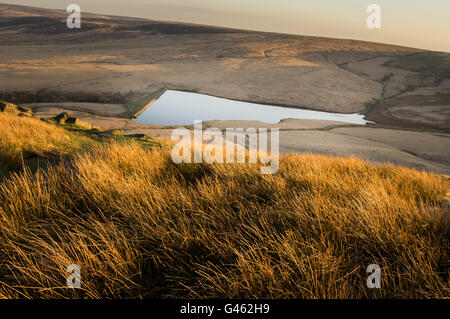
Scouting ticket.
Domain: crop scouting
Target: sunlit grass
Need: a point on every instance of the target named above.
(141, 226)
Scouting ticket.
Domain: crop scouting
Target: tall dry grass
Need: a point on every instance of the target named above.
(33, 135)
(23, 138)
(141, 226)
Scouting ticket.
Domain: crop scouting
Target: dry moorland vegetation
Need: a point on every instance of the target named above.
(141, 226)
(24, 139)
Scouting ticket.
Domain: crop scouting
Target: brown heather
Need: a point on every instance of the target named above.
(141, 226)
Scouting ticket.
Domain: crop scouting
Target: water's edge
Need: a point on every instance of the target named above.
(174, 107)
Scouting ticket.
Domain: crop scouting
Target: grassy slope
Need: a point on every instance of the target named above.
(35, 143)
(29, 140)
(141, 226)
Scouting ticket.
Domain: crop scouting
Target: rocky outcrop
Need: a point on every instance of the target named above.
(61, 118)
(80, 123)
(64, 118)
(14, 109)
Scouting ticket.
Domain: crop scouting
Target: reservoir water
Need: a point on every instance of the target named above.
(182, 108)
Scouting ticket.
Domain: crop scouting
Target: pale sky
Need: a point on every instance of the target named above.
(415, 23)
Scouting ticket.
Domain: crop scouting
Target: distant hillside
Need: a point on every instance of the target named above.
(34, 20)
(119, 56)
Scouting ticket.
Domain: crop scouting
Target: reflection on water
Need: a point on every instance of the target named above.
(177, 107)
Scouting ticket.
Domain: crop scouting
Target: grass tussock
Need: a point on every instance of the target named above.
(33, 135)
(22, 139)
(141, 226)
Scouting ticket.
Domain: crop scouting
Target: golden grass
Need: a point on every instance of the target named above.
(22, 136)
(141, 226)
(30, 134)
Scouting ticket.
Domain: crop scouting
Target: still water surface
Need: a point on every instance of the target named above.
(182, 108)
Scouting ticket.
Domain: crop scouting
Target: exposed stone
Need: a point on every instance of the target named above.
(24, 109)
(138, 135)
(61, 118)
(14, 109)
(7, 107)
(80, 123)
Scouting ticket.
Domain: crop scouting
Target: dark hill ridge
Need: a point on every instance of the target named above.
(35, 20)
(52, 22)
